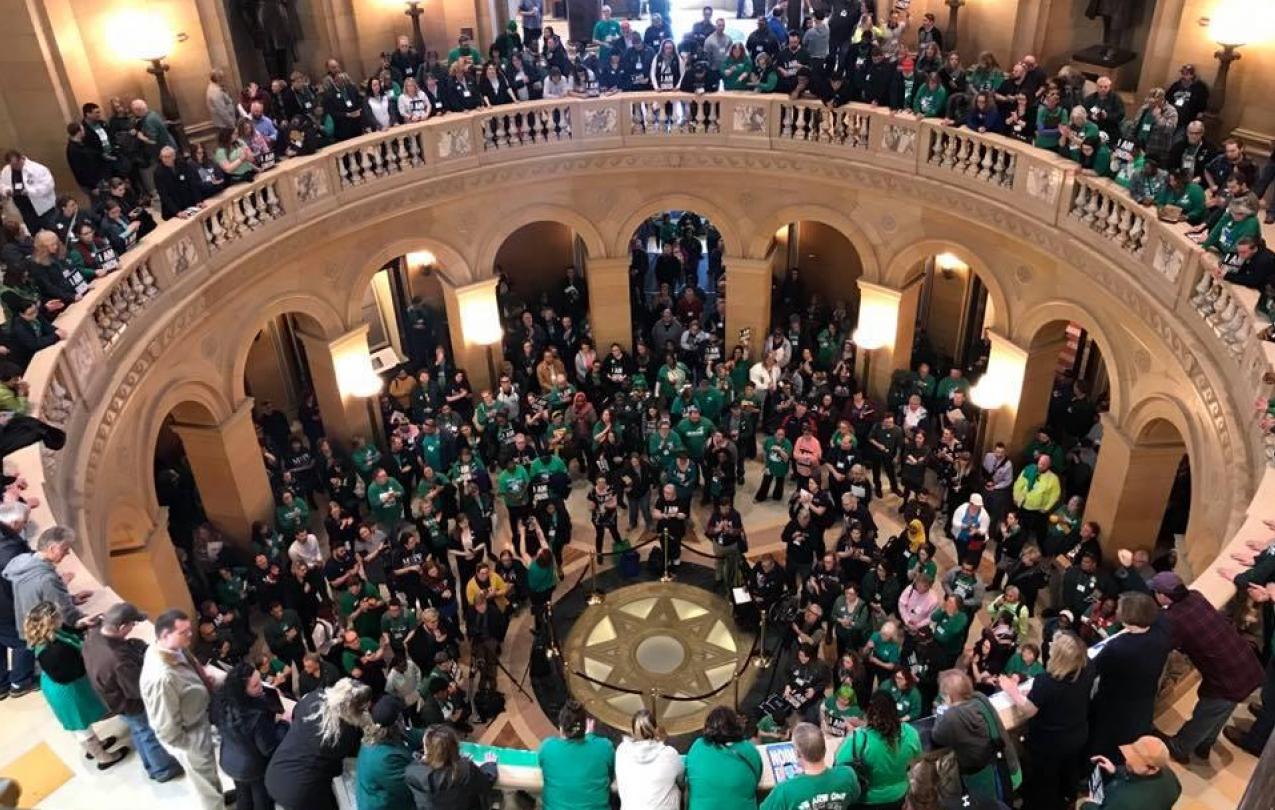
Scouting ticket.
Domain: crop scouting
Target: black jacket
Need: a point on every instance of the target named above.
(439, 790)
(300, 772)
(248, 739)
(88, 165)
(11, 545)
(454, 95)
(27, 338)
(1258, 272)
(179, 187)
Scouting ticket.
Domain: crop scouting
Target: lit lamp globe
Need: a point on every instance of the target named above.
(366, 384)
(987, 395)
(480, 321)
(868, 339)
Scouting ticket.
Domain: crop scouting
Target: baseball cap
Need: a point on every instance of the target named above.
(387, 710)
(976, 499)
(1166, 582)
(1147, 750)
(122, 613)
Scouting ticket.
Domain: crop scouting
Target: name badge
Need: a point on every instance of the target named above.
(309, 105)
(349, 105)
(467, 94)
(107, 260)
(17, 187)
(267, 159)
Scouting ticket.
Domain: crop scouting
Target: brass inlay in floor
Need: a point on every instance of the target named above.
(672, 638)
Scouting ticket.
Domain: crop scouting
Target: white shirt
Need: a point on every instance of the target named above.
(557, 89)
(646, 774)
(37, 182)
(307, 552)
(766, 379)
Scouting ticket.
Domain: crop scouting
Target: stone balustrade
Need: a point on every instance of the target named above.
(183, 255)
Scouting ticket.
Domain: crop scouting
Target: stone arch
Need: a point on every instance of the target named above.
(317, 316)
(899, 272)
(505, 227)
(1031, 325)
(197, 402)
(451, 268)
(859, 239)
(732, 243)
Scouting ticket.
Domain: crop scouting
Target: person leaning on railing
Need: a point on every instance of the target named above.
(577, 766)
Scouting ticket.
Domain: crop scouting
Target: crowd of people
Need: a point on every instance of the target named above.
(380, 595)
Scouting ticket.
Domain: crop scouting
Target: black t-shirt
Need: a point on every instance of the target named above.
(1062, 716)
(665, 511)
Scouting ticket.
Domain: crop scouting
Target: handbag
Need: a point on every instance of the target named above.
(856, 761)
(1005, 777)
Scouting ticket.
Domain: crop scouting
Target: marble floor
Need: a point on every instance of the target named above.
(26, 723)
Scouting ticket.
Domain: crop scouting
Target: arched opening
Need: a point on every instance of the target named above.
(676, 265)
(816, 268)
(541, 264)
(1162, 437)
(954, 310)
(277, 375)
(175, 486)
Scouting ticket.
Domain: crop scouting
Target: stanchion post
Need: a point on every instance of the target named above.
(655, 705)
(736, 704)
(596, 597)
(667, 577)
(763, 658)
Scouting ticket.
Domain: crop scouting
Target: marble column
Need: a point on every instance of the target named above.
(747, 302)
(887, 321)
(151, 576)
(473, 319)
(1025, 378)
(229, 472)
(335, 364)
(610, 315)
(1131, 483)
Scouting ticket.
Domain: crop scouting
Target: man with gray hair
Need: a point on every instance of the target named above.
(17, 662)
(34, 578)
(821, 786)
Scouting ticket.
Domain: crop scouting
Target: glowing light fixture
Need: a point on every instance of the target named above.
(1235, 23)
(147, 36)
(480, 318)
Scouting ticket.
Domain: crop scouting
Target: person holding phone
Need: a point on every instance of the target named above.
(1144, 781)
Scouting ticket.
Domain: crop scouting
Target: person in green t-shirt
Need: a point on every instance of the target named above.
(1185, 193)
(397, 623)
(663, 445)
(385, 499)
(1024, 664)
(606, 31)
(695, 430)
(722, 768)
(577, 766)
(902, 690)
(360, 607)
(360, 655)
(514, 488)
(776, 455)
(463, 49)
(930, 100)
(950, 624)
(883, 652)
(291, 515)
(839, 712)
(882, 752)
(365, 458)
(818, 787)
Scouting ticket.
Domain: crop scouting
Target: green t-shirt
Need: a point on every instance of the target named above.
(1017, 666)
(722, 777)
(368, 623)
(695, 435)
(350, 660)
(884, 765)
(949, 631)
(907, 703)
(882, 650)
(663, 450)
(838, 716)
(837, 788)
(365, 460)
(777, 461)
(290, 518)
(386, 502)
(515, 486)
(398, 629)
(577, 773)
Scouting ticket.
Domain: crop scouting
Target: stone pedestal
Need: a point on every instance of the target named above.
(151, 577)
(1025, 376)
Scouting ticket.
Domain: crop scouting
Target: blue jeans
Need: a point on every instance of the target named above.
(22, 671)
(158, 762)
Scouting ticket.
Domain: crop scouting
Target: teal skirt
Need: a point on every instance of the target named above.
(74, 704)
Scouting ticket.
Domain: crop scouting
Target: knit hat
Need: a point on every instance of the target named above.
(387, 710)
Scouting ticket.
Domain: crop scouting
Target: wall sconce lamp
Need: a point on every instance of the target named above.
(415, 11)
(953, 10)
(480, 326)
(149, 38)
(1235, 23)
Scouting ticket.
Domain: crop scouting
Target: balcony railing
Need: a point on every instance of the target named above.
(1030, 182)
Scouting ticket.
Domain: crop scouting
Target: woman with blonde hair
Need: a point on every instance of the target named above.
(327, 725)
(1057, 706)
(647, 771)
(65, 684)
(444, 778)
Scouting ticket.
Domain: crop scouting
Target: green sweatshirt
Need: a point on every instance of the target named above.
(930, 102)
(722, 777)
